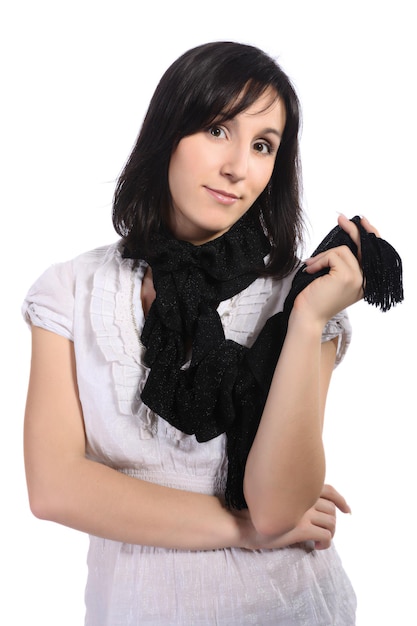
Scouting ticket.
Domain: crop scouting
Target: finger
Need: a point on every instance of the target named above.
(324, 544)
(350, 228)
(330, 493)
(321, 537)
(326, 506)
(324, 519)
(368, 226)
(331, 258)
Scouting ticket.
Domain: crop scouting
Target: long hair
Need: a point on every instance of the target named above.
(214, 81)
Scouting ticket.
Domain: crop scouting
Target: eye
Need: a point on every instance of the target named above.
(216, 131)
(263, 147)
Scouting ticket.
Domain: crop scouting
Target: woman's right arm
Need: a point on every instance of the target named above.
(66, 487)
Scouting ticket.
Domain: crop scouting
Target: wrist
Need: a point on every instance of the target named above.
(302, 322)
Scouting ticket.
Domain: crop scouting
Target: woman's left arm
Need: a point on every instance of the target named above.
(285, 468)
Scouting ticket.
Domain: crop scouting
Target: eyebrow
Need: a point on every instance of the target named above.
(274, 131)
(264, 131)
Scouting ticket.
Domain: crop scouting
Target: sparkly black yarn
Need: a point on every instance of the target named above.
(224, 387)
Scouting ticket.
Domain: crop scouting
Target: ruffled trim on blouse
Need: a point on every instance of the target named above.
(114, 322)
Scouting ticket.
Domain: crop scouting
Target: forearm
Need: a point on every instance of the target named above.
(285, 468)
(99, 500)
(65, 487)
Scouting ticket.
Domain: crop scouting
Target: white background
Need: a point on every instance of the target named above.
(76, 80)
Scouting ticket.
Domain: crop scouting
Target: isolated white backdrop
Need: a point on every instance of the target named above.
(77, 77)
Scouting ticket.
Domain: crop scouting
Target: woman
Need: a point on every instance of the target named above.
(135, 430)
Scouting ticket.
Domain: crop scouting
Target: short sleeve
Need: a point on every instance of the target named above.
(339, 326)
(49, 303)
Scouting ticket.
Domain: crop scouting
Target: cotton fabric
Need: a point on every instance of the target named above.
(94, 301)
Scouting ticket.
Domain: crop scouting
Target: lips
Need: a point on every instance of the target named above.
(222, 196)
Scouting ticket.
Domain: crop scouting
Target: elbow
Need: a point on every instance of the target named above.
(274, 525)
(41, 506)
(51, 489)
(44, 501)
(277, 509)
(278, 515)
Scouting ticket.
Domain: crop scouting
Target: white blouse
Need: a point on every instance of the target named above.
(94, 301)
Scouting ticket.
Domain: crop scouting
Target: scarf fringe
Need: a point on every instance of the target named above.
(382, 270)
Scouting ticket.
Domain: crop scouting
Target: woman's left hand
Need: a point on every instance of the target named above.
(318, 524)
(351, 229)
(342, 286)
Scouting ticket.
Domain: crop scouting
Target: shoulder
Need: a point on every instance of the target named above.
(88, 262)
(50, 300)
(66, 273)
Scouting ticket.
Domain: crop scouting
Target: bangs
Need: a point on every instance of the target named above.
(243, 100)
(221, 103)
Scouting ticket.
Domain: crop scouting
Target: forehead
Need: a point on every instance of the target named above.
(268, 106)
(268, 101)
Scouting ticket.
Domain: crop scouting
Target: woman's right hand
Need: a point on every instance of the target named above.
(318, 524)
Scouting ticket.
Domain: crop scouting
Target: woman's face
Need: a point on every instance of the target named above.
(216, 174)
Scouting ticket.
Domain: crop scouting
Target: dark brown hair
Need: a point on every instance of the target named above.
(214, 81)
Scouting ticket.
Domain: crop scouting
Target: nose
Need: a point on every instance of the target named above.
(235, 162)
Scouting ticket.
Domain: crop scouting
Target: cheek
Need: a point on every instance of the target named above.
(181, 168)
(262, 178)
(175, 173)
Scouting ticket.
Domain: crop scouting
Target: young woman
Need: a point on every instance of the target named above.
(164, 416)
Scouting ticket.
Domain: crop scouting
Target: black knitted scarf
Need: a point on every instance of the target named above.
(205, 384)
